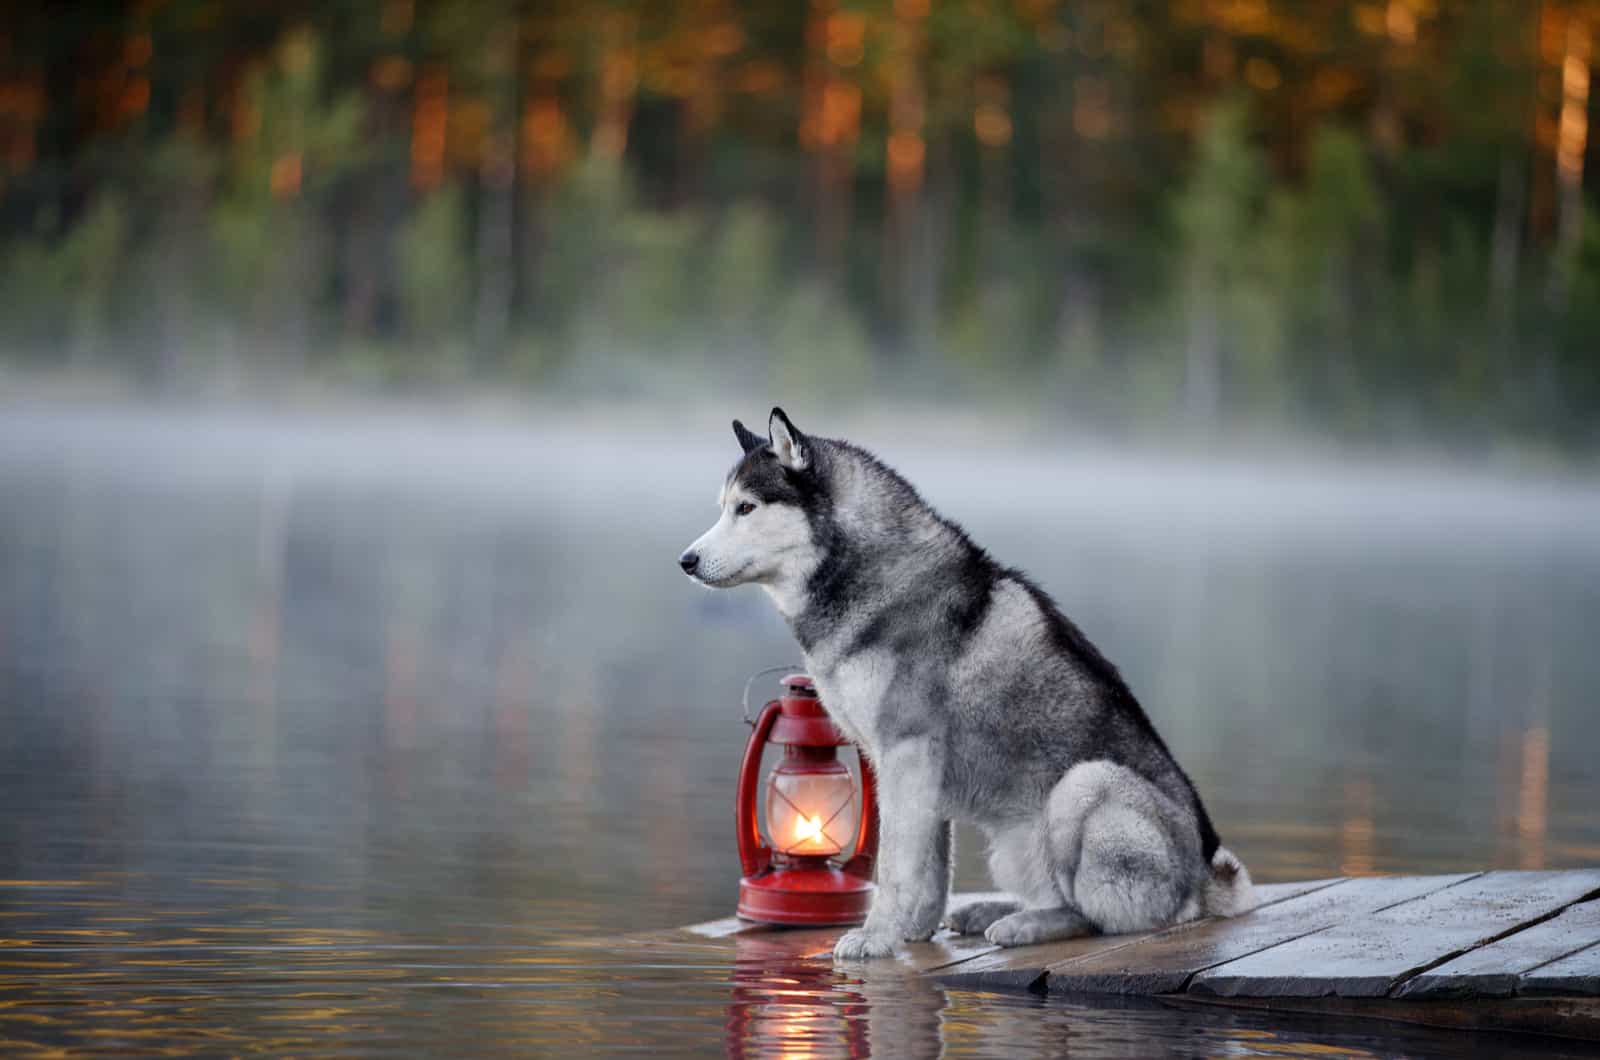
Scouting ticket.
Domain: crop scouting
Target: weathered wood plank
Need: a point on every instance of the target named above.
(1496, 935)
(1021, 967)
(947, 948)
(1577, 974)
(919, 957)
(1494, 970)
(1365, 956)
(1435, 950)
(944, 948)
(1167, 961)
(1567, 1017)
(973, 962)
(728, 939)
(728, 925)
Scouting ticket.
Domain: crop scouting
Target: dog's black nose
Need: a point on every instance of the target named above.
(689, 561)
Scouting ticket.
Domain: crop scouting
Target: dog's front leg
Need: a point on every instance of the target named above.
(914, 854)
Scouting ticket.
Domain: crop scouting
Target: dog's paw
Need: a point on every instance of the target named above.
(1032, 926)
(974, 918)
(1018, 929)
(861, 944)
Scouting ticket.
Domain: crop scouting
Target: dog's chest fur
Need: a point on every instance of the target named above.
(853, 691)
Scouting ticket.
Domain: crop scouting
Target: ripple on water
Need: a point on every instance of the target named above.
(152, 990)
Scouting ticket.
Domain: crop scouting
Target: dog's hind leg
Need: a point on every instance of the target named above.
(1029, 926)
(1127, 856)
(1022, 863)
(974, 918)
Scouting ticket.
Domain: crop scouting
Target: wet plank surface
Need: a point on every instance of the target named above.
(1367, 953)
(1166, 963)
(1577, 975)
(1496, 970)
(1512, 949)
(1020, 968)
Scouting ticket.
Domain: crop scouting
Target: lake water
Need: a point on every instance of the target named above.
(344, 734)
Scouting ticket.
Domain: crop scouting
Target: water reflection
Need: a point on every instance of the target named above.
(1355, 835)
(1533, 795)
(239, 976)
(307, 709)
(782, 1007)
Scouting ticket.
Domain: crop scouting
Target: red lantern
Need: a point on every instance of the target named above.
(815, 812)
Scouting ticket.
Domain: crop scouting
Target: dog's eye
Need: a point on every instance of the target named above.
(745, 508)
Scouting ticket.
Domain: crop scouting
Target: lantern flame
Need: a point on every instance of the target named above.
(807, 830)
(811, 813)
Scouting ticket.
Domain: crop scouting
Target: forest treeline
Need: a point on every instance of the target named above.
(1375, 220)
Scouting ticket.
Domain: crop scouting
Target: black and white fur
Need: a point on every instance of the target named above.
(975, 698)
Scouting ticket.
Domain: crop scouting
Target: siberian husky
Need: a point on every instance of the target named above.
(974, 698)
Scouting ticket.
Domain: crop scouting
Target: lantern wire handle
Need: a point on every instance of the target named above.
(744, 700)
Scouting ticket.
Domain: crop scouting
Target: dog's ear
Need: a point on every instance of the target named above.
(792, 447)
(748, 441)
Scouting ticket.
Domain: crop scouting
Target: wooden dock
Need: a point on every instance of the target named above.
(1490, 950)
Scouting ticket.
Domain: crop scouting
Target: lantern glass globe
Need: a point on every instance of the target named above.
(814, 812)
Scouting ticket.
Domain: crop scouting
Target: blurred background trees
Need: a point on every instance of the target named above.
(1376, 220)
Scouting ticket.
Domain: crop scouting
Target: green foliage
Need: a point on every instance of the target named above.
(1220, 204)
(1148, 215)
(582, 231)
(819, 349)
(433, 268)
(87, 265)
(64, 289)
(987, 333)
(1314, 245)
(652, 282)
(741, 277)
(1219, 211)
(270, 258)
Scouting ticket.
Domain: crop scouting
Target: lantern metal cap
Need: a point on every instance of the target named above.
(799, 685)
(803, 721)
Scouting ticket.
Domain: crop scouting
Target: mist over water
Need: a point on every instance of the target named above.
(429, 680)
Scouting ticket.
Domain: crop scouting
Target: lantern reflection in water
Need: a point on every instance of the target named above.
(788, 1000)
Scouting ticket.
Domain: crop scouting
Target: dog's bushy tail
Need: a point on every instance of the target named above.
(1227, 891)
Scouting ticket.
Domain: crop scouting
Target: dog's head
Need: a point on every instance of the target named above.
(763, 533)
